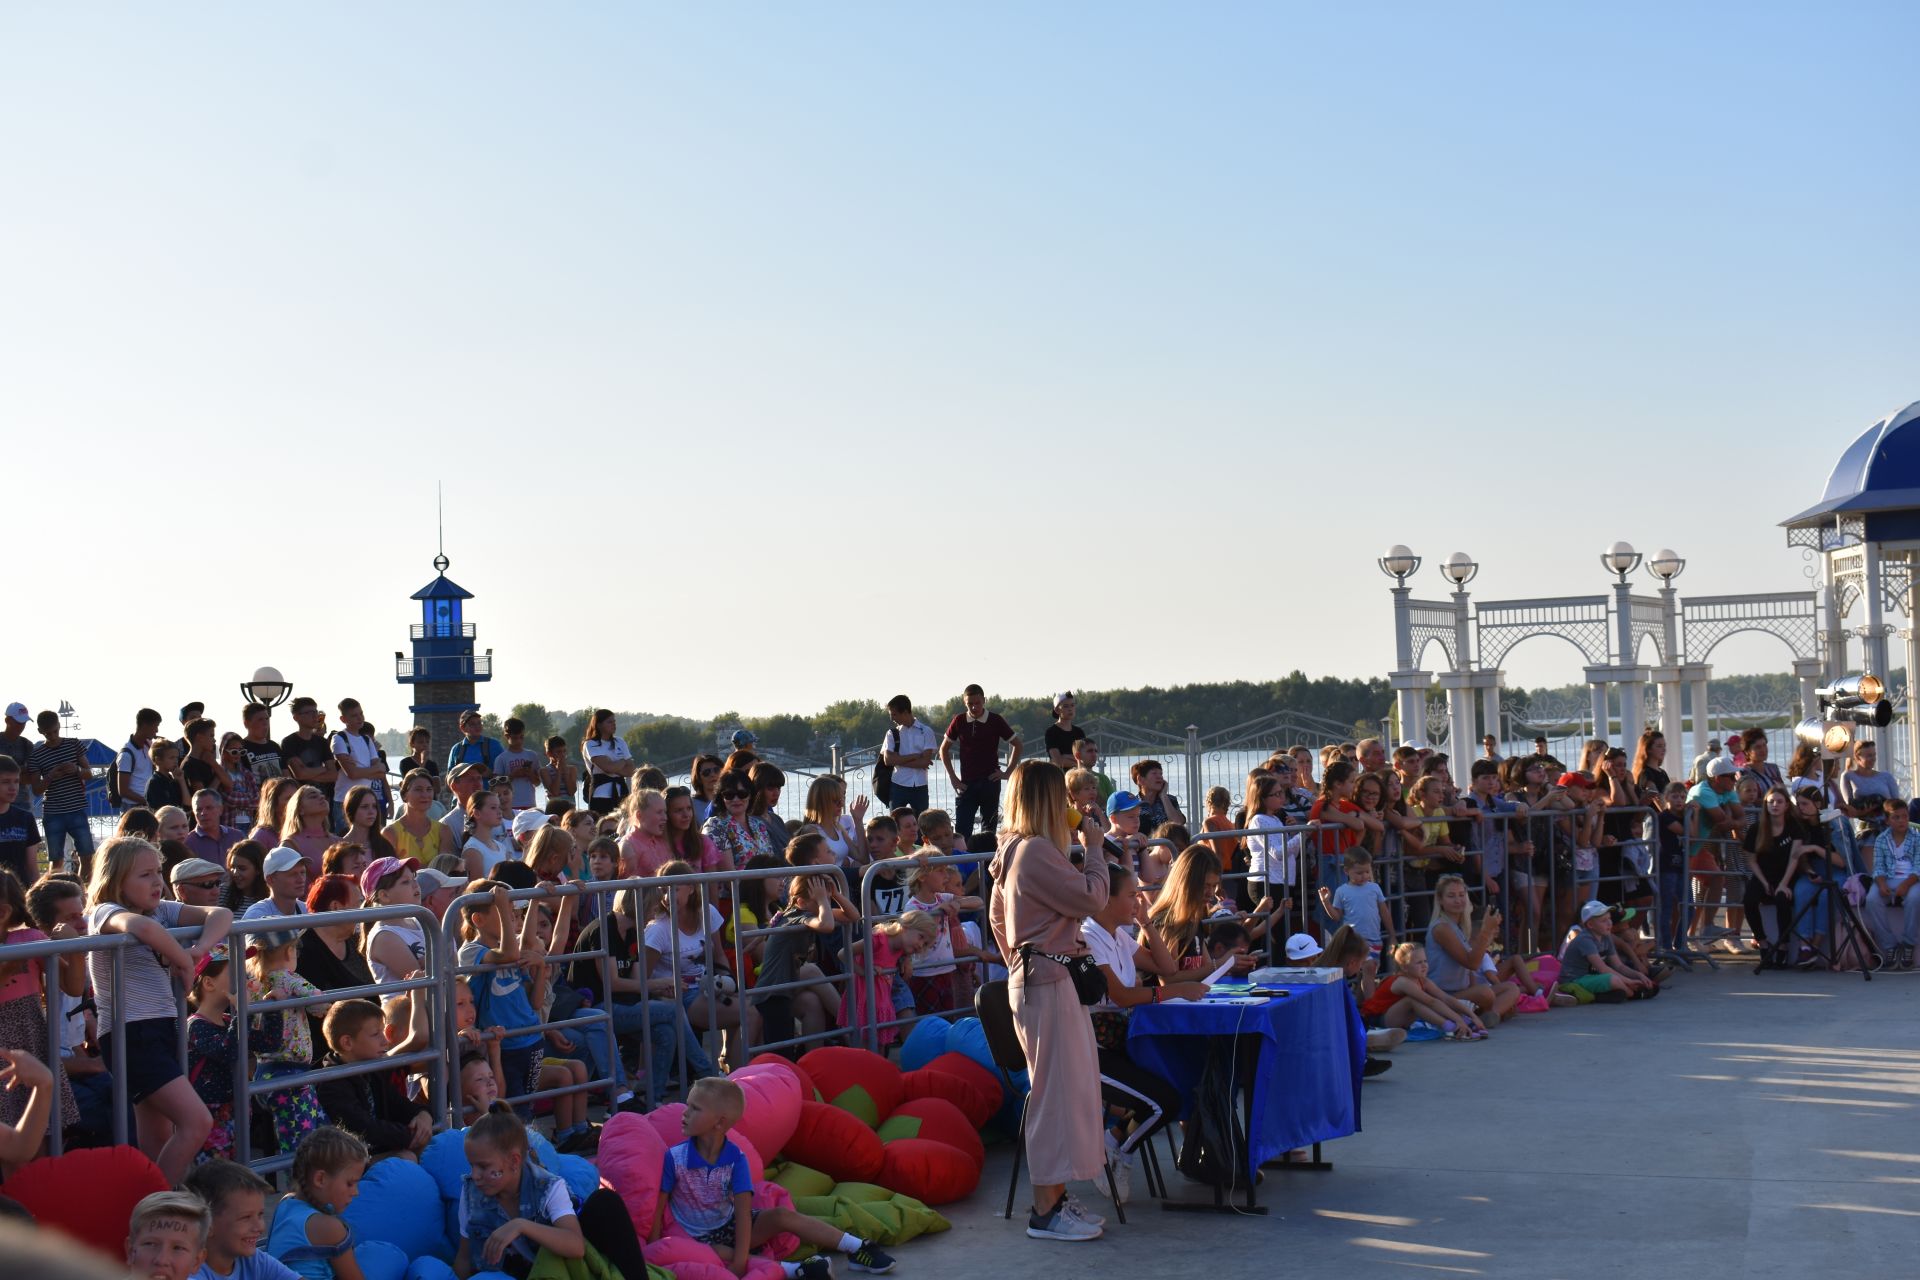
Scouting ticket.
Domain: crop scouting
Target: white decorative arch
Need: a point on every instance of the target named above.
(1433, 622)
(1791, 617)
(1503, 625)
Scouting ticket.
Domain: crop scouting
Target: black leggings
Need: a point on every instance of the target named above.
(1754, 899)
(608, 1227)
(1148, 1098)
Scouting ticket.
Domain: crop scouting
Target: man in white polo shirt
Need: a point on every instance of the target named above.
(908, 749)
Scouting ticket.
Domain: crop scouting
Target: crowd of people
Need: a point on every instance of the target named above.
(1447, 909)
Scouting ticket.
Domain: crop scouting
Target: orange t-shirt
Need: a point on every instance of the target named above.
(1225, 850)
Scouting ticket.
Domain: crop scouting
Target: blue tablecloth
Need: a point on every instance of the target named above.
(1306, 1085)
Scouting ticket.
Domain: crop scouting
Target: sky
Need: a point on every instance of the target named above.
(776, 354)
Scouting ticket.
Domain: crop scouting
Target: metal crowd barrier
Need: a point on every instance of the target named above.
(872, 1027)
(246, 1088)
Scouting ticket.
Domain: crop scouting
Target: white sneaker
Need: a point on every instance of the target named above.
(1385, 1039)
(1121, 1168)
(1080, 1211)
(1061, 1225)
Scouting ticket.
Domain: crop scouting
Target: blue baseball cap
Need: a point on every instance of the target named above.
(744, 738)
(1121, 801)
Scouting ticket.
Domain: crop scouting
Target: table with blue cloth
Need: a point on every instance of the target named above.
(1311, 1048)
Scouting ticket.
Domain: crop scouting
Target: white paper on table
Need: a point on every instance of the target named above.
(1214, 977)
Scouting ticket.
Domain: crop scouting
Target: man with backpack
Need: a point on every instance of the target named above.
(134, 769)
(908, 750)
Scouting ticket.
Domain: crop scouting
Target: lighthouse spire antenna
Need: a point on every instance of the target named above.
(440, 561)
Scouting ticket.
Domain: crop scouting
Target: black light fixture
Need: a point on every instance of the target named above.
(1858, 699)
(268, 688)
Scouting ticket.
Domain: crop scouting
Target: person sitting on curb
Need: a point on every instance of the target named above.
(1590, 967)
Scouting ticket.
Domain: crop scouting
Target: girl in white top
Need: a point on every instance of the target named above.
(679, 928)
(395, 948)
(483, 819)
(609, 763)
(826, 809)
(1269, 860)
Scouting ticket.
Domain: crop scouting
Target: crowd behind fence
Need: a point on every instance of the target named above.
(1536, 909)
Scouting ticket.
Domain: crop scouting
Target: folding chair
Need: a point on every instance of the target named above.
(995, 1010)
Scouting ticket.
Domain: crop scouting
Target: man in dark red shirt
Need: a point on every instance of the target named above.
(976, 787)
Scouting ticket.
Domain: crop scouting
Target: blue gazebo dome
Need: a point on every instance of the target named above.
(1878, 478)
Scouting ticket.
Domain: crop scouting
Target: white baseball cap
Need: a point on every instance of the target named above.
(528, 821)
(17, 712)
(1301, 946)
(1722, 768)
(1592, 909)
(284, 858)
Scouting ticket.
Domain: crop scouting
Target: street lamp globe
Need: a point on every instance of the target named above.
(268, 688)
(1666, 564)
(1399, 562)
(1621, 558)
(1460, 568)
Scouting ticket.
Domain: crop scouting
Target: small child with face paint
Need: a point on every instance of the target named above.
(511, 1209)
(706, 1185)
(167, 1236)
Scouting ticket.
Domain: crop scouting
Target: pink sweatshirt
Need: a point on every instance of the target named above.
(1040, 897)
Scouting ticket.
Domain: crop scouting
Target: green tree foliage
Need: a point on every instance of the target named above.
(539, 723)
(668, 742)
(853, 722)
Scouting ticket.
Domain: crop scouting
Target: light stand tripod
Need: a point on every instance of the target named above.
(1831, 904)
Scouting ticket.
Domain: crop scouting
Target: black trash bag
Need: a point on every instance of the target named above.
(1215, 1152)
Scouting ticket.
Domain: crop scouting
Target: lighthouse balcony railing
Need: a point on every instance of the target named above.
(442, 631)
(452, 667)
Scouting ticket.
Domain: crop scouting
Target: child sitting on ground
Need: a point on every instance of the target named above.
(512, 1210)
(167, 1236)
(371, 1107)
(706, 1185)
(236, 1197)
(308, 1233)
(1590, 967)
(1409, 996)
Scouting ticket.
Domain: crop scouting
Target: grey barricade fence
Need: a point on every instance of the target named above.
(872, 1026)
(246, 1088)
(731, 1008)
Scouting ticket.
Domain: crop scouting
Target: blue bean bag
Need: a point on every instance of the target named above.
(445, 1160)
(578, 1172)
(927, 1041)
(400, 1204)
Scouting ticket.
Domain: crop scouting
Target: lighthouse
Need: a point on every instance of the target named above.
(443, 669)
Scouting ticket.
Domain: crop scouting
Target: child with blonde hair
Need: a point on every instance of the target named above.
(167, 1236)
(1407, 996)
(894, 944)
(308, 1233)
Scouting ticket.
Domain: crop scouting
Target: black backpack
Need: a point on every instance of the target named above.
(882, 771)
(1215, 1152)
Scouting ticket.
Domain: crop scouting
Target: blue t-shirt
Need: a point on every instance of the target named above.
(255, 1266)
(1359, 906)
(500, 997)
(701, 1194)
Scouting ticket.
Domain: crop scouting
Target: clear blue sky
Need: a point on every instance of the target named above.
(775, 354)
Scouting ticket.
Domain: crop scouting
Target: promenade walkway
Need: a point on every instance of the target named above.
(1742, 1125)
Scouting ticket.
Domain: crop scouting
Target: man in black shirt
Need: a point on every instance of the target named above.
(258, 748)
(305, 752)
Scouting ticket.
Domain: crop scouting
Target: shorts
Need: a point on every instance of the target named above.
(722, 1237)
(1585, 989)
(522, 1069)
(153, 1056)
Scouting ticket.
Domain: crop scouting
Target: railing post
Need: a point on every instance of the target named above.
(1196, 803)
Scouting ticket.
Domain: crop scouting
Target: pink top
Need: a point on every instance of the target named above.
(644, 855)
(1040, 897)
(31, 980)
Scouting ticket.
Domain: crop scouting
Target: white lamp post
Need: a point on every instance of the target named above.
(268, 688)
(1460, 569)
(1409, 683)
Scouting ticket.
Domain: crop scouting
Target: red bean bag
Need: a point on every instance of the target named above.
(772, 1106)
(937, 1119)
(855, 1080)
(630, 1156)
(961, 1081)
(931, 1172)
(807, 1091)
(836, 1143)
(89, 1194)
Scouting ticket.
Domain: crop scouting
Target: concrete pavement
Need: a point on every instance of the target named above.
(1742, 1125)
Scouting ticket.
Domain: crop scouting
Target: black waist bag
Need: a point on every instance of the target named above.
(1088, 982)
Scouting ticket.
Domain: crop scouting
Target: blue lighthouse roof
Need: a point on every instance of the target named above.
(1879, 472)
(442, 588)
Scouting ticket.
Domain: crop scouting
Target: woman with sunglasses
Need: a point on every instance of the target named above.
(735, 832)
(704, 777)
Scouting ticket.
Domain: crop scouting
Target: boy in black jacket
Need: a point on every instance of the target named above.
(373, 1107)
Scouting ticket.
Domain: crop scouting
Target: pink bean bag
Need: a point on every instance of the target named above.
(688, 1259)
(807, 1091)
(631, 1153)
(772, 1106)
